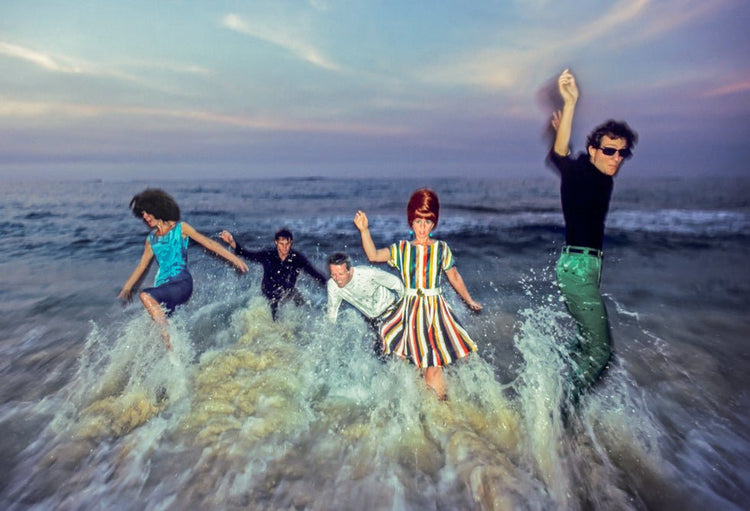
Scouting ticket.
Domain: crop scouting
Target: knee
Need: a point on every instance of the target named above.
(145, 297)
(147, 300)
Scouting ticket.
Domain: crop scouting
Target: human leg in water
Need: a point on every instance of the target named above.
(156, 312)
(591, 348)
(435, 380)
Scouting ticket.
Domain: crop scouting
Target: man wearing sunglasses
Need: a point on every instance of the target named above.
(585, 192)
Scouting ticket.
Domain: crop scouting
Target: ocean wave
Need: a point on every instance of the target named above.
(101, 216)
(204, 189)
(505, 210)
(208, 213)
(11, 229)
(321, 218)
(711, 224)
(667, 222)
(519, 228)
(40, 215)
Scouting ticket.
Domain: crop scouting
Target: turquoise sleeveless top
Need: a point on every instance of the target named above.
(171, 253)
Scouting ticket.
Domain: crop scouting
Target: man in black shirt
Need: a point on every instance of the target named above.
(585, 192)
(281, 267)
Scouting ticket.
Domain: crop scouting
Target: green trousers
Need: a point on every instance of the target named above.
(578, 276)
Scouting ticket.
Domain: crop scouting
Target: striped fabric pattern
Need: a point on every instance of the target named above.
(422, 329)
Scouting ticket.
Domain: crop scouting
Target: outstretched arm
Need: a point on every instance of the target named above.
(562, 121)
(311, 270)
(458, 284)
(127, 290)
(373, 254)
(214, 247)
(255, 256)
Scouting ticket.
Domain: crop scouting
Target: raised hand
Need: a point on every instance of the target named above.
(566, 84)
(360, 220)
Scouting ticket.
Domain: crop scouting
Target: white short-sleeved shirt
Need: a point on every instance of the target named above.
(371, 291)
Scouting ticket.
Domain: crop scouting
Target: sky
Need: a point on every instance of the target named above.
(352, 88)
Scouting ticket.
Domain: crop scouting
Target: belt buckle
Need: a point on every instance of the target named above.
(420, 292)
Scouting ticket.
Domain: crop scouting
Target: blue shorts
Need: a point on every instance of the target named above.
(172, 294)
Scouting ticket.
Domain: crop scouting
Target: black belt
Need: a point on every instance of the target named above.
(583, 250)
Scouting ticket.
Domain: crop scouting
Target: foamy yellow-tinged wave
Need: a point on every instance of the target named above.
(117, 415)
(251, 386)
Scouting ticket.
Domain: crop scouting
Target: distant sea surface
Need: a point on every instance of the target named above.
(246, 413)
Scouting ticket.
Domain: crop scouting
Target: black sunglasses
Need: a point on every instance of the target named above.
(624, 153)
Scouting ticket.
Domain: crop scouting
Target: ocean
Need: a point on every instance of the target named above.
(246, 413)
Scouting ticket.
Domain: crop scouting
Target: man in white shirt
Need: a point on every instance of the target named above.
(369, 290)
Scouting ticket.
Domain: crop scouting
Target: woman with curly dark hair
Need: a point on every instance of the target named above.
(167, 242)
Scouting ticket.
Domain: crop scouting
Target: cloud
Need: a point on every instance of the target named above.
(170, 67)
(58, 112)
(502, 68)
(42, 60)
(621, 14)
(728, 89)
(280, 37)
(19, 110)
(141, 76)
(624, 24)
(320, 5)
(62, 64)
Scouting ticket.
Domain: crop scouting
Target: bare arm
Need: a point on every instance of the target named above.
(126, 293)
(374, 255)
(214, 247)
(562, 121)
(252, 255)
(458, 284)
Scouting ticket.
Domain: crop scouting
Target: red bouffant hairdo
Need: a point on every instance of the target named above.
(423, 203)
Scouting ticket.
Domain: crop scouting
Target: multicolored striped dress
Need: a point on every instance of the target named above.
(423, 329)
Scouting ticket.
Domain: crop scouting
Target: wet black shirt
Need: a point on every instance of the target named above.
(585, 193)
(280, 277)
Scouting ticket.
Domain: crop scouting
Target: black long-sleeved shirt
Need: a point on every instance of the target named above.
(279, 277)
(585, 193)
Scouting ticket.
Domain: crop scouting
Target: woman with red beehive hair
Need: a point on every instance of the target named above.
(422, 329)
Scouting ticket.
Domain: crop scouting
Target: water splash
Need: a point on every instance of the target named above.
(299, 414)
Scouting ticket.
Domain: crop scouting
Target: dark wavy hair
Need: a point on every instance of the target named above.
(157, 202)
(338, 258)
(423, 203)
(612, 129)
(283, 233)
